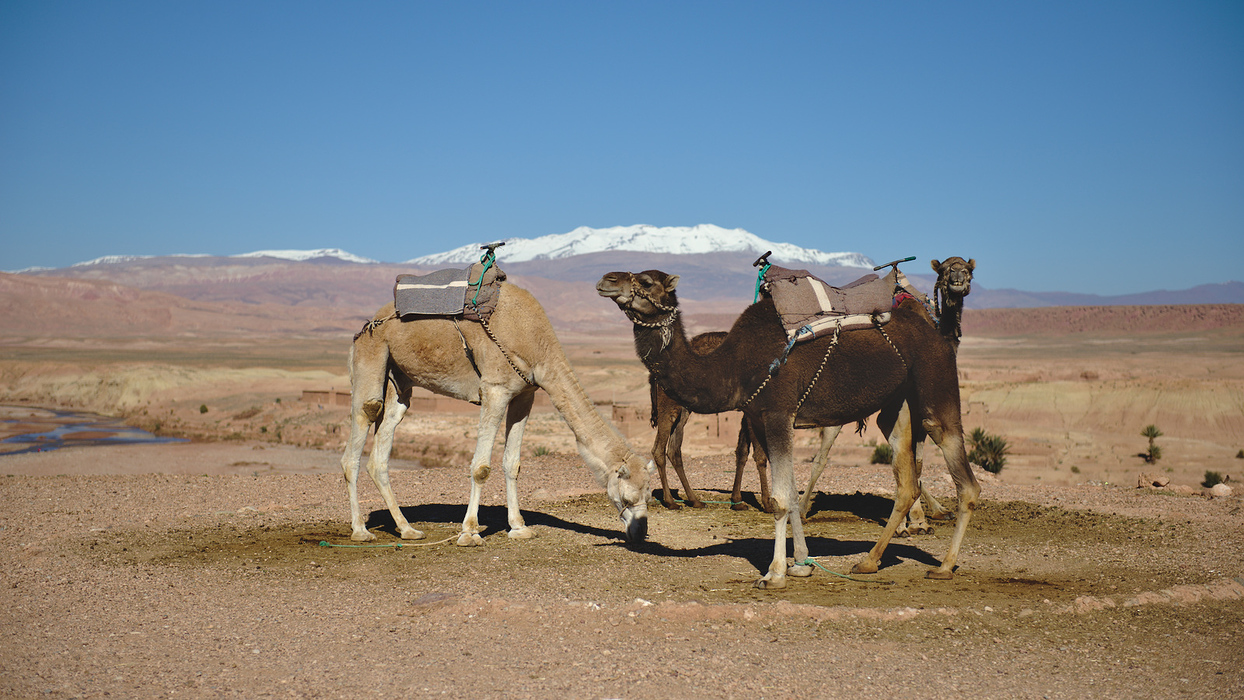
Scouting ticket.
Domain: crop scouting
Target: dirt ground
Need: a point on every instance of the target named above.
(200, 570)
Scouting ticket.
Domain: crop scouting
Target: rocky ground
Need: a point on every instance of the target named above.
(200, 570)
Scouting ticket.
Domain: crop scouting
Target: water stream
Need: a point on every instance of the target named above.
(24, 429)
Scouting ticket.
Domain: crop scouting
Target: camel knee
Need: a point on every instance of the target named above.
(480, 472)
(934, 429)
(373, 409)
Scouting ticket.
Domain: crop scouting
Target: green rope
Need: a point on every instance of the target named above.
(395, 545)
(760, 278)
(488, 259)
(817, 564)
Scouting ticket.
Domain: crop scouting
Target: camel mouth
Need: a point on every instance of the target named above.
(611, 288)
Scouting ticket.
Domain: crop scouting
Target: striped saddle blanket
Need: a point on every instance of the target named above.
(810, 308)
(470, 292)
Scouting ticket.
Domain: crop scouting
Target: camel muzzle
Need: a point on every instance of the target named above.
(636, 525)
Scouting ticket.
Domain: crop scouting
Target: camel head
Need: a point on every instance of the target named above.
(641, 295)
(628, 486)
(954, 276)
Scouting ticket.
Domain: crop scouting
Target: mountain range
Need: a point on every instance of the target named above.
(332, 289)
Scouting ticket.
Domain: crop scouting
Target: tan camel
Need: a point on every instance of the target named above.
(903, 370)
(954, 282)
(391, 356)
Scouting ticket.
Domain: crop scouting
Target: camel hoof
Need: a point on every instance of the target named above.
(522, 533)
(739, 505)
(672, 506)
(770, 506)
(469, 539)
(362, 536)
(865, 567)
(695, 504)
(903, 533)
(939, 575)
(926, 530)
(799, 571)
(410, 533)
(771, 584)
(944, 515)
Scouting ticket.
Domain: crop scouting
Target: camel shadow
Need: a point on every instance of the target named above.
(865, 506)
(758, 551)
(491, 518)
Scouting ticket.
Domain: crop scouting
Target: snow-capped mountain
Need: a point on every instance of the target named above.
(675, 240)
(294, 255)
(303, 255)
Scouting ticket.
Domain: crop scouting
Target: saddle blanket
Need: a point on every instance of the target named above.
(810, 308)
(470, 292)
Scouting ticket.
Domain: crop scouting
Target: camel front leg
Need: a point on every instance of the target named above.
(966, 487)
(395, 406)
(680, 423)
(828, 435)
(741, 449)
(778, 443)
(515, 421)
(906, 488)
(491, 411)
(659, 452)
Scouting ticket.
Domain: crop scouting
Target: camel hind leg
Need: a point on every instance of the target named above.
(828, 435)
(902, 440)
(397, 402)
(368, 363)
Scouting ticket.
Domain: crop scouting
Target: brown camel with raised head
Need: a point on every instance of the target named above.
(391, 356)
(904, 370)
(670, 420)
(954, 282)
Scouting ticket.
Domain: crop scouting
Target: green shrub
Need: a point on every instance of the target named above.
(541, 451)
(1211, 478)
(203, 408)
(1239, 455)
(989, 451)
(883, 454)
(1075, 469)
(1154, 452)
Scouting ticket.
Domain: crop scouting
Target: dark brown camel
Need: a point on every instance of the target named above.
(670, 420)
(904, 370)
(954, 282)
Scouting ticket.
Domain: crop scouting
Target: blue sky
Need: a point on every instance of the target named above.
(1081, 146)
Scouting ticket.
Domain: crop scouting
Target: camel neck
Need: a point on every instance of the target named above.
(555, 375)
(709, 383)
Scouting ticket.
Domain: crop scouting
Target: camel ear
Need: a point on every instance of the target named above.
(972, 265)
(671, 282)
(937, 266)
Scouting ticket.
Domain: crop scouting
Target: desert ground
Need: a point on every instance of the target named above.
(208, 568)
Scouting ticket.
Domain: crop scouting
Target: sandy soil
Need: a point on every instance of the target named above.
(197, 569)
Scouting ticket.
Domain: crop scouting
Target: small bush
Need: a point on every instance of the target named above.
(1075, 469)
(1211, 478)
(541, 451)
(1239, 455)
(1154, 453)
(989, 451)
(883, 454)
(203, 408)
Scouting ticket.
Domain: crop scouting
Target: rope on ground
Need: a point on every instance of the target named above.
(395, 545)
(817, 564)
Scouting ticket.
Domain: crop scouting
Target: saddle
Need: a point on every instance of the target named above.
(470, 293)
(810, 308)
